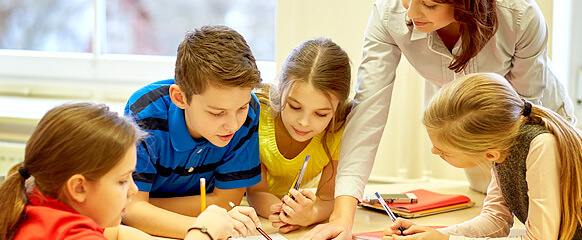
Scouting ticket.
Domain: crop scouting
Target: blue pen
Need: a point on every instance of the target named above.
(299, 176)
(387, 209)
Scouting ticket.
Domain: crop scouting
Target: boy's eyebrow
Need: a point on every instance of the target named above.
(294, 100)
(219, 108)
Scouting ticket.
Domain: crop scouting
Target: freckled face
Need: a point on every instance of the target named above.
(429, 16)
(307, 111)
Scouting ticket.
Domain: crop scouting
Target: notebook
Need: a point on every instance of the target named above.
(429, 203)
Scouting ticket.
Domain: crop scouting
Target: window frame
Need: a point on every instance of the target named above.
(95, 76)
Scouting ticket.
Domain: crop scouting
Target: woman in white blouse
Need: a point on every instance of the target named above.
(443, 40)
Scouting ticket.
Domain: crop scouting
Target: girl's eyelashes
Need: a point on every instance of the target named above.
(321, 115)
(293, 107)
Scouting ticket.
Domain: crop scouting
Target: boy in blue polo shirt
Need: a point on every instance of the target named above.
(203, 124)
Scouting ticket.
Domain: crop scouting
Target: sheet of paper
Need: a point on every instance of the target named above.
(275, 236)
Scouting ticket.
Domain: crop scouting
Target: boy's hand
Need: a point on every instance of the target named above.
(216, 221)
(245, 220)
(411, 231)
(299, 209)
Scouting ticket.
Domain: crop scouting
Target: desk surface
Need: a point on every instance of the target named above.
(368, 220)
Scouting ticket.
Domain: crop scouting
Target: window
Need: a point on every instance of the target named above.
(99, 49)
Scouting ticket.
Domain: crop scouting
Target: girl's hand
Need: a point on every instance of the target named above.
(400, 222)
(245, 220)
(298, 211)
(277, 222)
(274, 216)
(216, 221)
(411, 231)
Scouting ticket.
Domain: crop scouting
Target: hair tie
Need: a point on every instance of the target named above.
(23, 173)
(526, 108)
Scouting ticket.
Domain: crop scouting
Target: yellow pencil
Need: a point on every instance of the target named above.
(202, 194)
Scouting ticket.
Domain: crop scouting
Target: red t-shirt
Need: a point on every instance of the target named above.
(48, 218)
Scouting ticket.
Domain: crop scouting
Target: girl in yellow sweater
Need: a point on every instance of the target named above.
(303, 115)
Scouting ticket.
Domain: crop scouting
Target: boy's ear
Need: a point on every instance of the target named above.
(178, 96)
(76, 188)
(494, 155)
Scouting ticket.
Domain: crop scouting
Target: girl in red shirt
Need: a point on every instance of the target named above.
(76, 180)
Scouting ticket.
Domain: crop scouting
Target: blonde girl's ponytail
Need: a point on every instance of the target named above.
(569, 142)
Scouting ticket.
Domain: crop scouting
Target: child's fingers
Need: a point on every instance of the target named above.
(239, 227)
(237, 214)
(251, 213)
(401, 222)
(276, 208)
(394, 237)
(308, 194)
(288, 211)
(297, 196)
(276, 222)
(274, 218)
(234, 233)
(288, 228)
(388, 231)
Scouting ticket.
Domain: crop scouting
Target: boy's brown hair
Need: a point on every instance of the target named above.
(214, 55)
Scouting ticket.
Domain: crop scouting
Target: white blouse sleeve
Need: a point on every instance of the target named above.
(531, 73)
(528, 74)
(367, 120)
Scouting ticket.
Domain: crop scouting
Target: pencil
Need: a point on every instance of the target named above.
(202, 194)
(299, 176)
(258, 228)
(294, 183)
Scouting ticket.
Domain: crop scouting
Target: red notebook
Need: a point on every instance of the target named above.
(429, 203)
(429, 200)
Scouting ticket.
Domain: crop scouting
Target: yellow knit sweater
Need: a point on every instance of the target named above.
(280, 170)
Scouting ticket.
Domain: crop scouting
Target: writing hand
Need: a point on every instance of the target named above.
(245, 220)
(298, 209)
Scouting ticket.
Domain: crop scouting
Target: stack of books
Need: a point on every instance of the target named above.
(429, 203)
